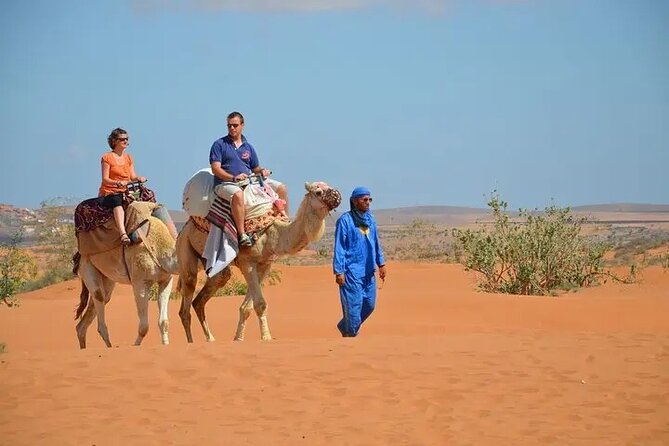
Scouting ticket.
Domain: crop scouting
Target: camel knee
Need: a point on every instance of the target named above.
(184, 313)
(245, 311)
(100, 296)
(260, 308)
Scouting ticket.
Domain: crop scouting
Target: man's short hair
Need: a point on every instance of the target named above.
(236, 114)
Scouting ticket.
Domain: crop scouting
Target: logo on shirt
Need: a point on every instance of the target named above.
(246, 155)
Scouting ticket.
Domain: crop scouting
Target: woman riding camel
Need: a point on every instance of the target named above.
(117, 171)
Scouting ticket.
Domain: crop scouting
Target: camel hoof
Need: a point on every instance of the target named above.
(211, 339)
(266, 338)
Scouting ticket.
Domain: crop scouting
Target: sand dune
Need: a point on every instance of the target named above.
(438, 363)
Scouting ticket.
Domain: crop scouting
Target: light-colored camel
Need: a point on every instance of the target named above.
(254, 262)
(140, 265)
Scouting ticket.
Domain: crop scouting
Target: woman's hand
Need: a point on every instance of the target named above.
(142, 179)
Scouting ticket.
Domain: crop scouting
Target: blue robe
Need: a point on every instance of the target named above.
(357, 253)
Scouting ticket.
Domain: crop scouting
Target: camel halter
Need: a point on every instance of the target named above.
(330, 198)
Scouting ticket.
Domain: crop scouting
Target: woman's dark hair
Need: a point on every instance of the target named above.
(113, 136)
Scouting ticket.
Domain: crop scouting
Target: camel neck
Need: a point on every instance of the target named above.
(307, 227)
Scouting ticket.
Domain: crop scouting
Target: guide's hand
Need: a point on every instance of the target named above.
(382, 272)
(339, 278)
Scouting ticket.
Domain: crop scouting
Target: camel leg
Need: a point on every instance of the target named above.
(208, 290)
(188, 264)
(245, 310)
(164, 291)
(140, 289)
(259, 303)
(254, 300)
(84, 323)
(186, 289)
(100, 289)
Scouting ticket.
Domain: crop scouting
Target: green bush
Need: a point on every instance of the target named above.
(56, 235)
(537, 254)
(16, 267)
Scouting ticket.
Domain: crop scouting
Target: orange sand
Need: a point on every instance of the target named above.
(437, 363)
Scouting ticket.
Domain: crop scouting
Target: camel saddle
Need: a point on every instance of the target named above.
(106, 237)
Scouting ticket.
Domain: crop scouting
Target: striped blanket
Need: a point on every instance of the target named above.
(220, 214)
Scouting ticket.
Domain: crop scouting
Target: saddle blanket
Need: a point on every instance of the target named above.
(222, 246)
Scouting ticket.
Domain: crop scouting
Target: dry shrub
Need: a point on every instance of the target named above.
(16, 267)
(537, 254)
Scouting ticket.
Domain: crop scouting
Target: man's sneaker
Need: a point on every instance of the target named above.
(245, 240)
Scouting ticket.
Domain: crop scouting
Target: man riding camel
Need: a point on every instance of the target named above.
(232, 159)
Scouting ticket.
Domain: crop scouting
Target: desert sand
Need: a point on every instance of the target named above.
(437, 363)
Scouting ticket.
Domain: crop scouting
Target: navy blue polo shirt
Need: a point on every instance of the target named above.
(234, 160)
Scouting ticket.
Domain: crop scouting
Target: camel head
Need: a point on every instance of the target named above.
(323, 197)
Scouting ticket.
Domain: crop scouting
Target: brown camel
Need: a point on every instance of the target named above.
(140, 265)
(254, 262)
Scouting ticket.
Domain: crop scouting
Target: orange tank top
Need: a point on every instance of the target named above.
(120, 169)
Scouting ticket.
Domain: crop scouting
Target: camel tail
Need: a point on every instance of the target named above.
(83, 301)
(76, 258)
(83, 296)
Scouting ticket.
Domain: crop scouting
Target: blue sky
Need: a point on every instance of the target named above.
(426, 102)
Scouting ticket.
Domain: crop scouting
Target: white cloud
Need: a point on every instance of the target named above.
(306, 6)
(76, 152)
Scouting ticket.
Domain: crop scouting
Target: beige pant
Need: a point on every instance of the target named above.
(226, 190)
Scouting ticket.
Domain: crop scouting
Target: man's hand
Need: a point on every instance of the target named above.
(339, 278)
(382, 272)
(265, 172)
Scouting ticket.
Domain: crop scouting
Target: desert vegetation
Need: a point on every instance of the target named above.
(16, 268)
(534, 253)
(55, 243)
(50, 241)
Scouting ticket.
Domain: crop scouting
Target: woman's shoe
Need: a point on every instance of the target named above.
(125, 240)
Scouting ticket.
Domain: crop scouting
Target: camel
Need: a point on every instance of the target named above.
(254, 262)
(140, 265)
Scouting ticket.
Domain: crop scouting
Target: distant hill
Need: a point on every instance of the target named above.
(12, 217)
(623, 207)
(458, 215)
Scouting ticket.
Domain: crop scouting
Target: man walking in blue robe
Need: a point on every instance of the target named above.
(357, 253)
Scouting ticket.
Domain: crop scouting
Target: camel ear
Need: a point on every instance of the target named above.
(308, 186)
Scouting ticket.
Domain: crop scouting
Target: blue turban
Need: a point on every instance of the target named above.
(360, 191)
